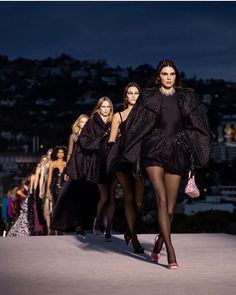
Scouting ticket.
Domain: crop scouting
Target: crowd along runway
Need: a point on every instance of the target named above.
(72, 264)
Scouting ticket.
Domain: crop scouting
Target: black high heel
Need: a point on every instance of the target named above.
(127, 238)
(79, 230)
(107, 235)
(138, 249)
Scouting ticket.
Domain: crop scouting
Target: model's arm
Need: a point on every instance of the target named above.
(70, 146)
(36, 180)
(41, 181)
(88, 140)
(114, 127)
(32, 178)
(20, 193)
(48, 192)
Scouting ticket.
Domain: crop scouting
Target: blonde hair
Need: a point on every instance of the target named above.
(75, 126)
(98, 105)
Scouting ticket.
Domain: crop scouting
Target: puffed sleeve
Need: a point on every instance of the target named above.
(198, 130)
(88, 139)
(139, 123)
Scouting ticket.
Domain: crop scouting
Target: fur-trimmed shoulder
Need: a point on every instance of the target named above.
(150, 99)
(189, 92)
(188, 99)
(146, 94)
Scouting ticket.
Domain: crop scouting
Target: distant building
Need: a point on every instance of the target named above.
(207, 99)
(201, 206)
(223, 198)
(13, 164)
(224, 152)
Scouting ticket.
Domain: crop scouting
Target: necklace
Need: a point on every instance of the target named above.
(171, 92)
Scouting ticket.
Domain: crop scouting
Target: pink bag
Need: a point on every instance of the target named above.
(191, 188)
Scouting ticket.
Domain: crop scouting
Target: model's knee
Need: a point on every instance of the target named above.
(103, 199)
(170, 212)
(129, 200)
(161, 200)
(139, 205)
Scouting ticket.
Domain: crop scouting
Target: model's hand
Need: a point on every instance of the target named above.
(109, 145)
(137, 172)
(48, 195)
(66, 177)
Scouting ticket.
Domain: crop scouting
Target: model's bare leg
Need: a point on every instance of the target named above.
(46, 213)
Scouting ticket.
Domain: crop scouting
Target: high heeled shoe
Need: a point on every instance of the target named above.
(107, 235)
(79, 230)
(155, 257)
(127, 238)
(173, 266)
(96, 231)
(137, 248)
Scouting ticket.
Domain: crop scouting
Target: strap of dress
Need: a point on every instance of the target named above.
(120, 117)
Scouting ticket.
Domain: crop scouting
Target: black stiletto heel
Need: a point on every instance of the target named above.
(138, 249)
(127, 238)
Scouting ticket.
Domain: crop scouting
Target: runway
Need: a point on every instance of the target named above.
(72, 264)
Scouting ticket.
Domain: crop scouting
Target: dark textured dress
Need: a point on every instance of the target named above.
(166, 145)
(114, 161)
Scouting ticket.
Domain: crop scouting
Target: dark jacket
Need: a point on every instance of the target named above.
(88, 159)
(142, 120)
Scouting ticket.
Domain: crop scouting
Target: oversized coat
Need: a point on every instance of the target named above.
(142, 120)
(88, 160)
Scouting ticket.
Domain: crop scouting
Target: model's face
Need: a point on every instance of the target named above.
(132, 95)
(60, 154)
(82, 122)
(167, 77)
(43, 161)
(105, 109)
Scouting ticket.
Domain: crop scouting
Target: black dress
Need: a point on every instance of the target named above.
(114, 160)
(166, 145)
(56, 185)
(76, 205)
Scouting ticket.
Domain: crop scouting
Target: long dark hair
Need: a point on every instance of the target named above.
(55, 151)
(164, 63)
(131, 84)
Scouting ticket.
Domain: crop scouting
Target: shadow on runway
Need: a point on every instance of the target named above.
(91, 242)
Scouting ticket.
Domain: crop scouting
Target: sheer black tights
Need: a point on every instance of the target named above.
(133, 197)
(166, 188)
(106, 202)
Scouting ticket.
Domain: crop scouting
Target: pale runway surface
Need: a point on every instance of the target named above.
(71, 265)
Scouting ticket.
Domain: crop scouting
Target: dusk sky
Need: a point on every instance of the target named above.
(199, 36)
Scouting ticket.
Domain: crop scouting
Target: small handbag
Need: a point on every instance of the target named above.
(191, 188)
